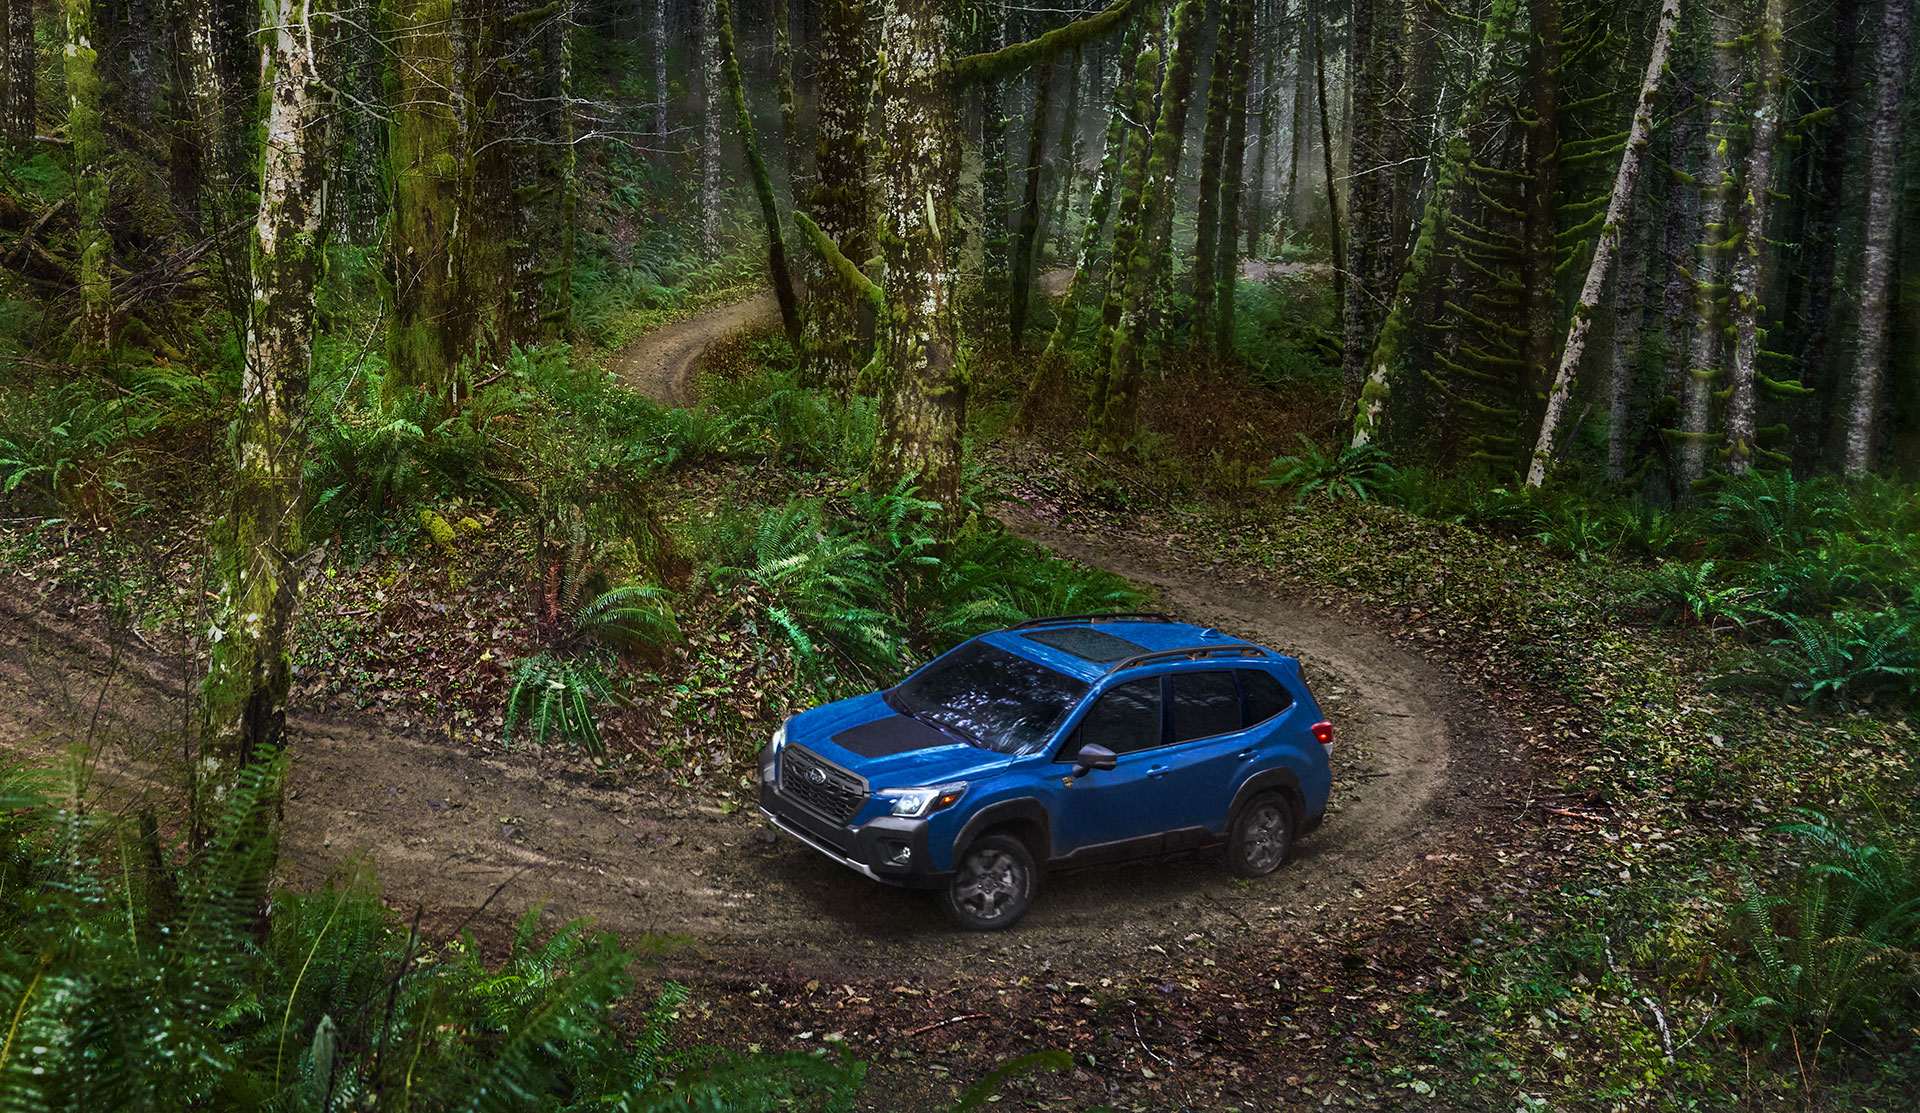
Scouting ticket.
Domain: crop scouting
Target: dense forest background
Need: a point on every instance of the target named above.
(1590, 334)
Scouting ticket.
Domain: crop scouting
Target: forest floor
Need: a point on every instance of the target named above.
(784, 949)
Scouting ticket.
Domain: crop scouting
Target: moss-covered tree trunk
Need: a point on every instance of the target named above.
(841, 201)
(923, 404)
(22, 107)
(261, 540)
(1128, 227)
(1450, 176)
(1163, 165)
(1538, 264)
(1028, 233)
(1116, 423)
(1619, 206)
(777, 271)
(87, 131)
(1716, 192)
(1066, 326)
(1877, 254)
(1227, 267)
(1366, 224)
(1753, 253)
(1213, 137)
(425, 170)
(1082, 74)
(995, 173)
(790, 145)
(1270, 53)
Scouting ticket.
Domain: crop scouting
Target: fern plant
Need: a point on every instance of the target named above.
(555, 696)
(1353, 472)
(1699, 593)
(1853, 655)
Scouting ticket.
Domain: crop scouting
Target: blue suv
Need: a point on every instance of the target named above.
(1060, 742)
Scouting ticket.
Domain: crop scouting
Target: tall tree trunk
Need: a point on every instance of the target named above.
(426, 338)
(1629, 318)
(1257, 204)
(995, 174)
(1029, 231)
(657, 47)
(1716, 191)
(923, 406)
(840, 202)
(22, 61)
(1083, 72)
(1213, 138)
(1163, 169)
(262, 539)
(1450, 177)
(1128, 226)
(789, 104)
(1819, 270)
(1117, 422)
(777, 272)
(1751, 256)
(1619, 210)
(86, 130)
(1227, 269)
(1876, 254)
(709, 130)
(1365, 222)
(1326, 155)
(1538, 270)
(1067, 322)
(1296, 136)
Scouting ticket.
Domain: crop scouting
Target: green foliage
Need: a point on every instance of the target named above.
(820, 589)
(554, 696)
(1352, 473)
(133, 983)
(1840, 952)
(1698, 592)
(1853, 654)
(371, 467)
(632, 616)
(56, 437)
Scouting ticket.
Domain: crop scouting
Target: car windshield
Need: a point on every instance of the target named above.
(990, 698)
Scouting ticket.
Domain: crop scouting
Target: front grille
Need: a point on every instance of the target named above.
(836, 794)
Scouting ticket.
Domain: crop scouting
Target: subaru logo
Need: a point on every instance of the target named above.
(817, 776)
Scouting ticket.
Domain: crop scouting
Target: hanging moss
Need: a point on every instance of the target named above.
(778, 273)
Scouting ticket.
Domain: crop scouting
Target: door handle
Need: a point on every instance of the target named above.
(1156, 771)
(1247, 755)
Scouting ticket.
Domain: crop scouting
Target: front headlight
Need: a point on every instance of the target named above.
(770, 755)
(918, 801)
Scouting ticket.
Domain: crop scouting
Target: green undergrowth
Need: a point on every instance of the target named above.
(1744, 886)
(137, 974)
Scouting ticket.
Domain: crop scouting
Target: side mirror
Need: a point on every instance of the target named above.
(1091, 757)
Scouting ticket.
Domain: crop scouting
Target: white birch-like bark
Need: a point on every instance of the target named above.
(1876, 253)
(1625, 181)
(261, 540)
(658, 46)
(710, 129)
(1749, 257)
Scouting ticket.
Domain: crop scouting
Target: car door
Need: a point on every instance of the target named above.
(1109, 814)
(1209, 746)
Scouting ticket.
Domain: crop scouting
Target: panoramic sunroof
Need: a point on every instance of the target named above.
(1086, 644)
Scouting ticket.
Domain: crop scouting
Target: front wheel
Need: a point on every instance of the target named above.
(993, 885)
(1261, 838)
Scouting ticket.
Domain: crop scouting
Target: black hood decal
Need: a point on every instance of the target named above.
(895, 734)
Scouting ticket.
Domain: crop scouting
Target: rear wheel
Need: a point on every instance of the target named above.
(1262, 836)
(993, 884)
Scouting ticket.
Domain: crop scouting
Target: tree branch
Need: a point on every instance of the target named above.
(993, 65)
(848, 271)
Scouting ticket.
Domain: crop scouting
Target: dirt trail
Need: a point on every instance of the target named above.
(449, 825)
(660, 364)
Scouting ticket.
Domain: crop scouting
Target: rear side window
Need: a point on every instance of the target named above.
(1204, 704)
(1266, 696)
(1126, 719)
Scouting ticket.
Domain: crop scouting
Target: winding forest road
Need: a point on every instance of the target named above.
(454, 828)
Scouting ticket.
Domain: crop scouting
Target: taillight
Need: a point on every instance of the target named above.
(1323, 733)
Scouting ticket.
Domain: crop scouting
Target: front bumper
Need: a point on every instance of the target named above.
(872, 849)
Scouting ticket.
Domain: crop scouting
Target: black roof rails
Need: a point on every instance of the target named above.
(1105, 616)
(1191, 652)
